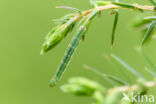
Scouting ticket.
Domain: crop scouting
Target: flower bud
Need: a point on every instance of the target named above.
(81, 86)
(56, 35)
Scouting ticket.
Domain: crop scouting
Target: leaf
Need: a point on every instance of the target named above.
(124, 5)
(65, 18)
(129, 68)
(56, 35)
(139, 22)
(149, 32)
(70, 8)
(150, 18)
(102, 3)
(125, 74)
(81, 86)
(150, 63)
(71, 48)
(153, 2)
(114, 27)
(116, 79)
(85, 82)
(93, 3)
(109, 78)
(150, 72)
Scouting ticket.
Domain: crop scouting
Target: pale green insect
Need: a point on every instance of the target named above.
(71, 48)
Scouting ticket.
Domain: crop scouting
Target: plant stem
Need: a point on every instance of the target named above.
(133, 87)
(116, 6)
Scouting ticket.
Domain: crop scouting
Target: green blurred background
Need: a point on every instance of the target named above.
(25, 74)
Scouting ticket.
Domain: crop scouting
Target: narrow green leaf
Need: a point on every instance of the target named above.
(70, 8)
(71, 49)
(102, 3)
(125, 74)
(150, 63)
(150, 18)
(139, 22)
(65, 18)
(82, 86)
(114, 27)
(93, 3)
(56, 35)
(109, 78)
(129, 68)
(150, 72)
(153, 2)
(149, 31)
(124, 5)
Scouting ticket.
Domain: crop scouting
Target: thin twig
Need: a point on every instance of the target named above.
(133, 87)
(112, 6)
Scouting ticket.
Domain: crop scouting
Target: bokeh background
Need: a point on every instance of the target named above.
(25, 74)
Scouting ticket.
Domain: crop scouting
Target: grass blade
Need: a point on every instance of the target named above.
(109, 78)
(129, 68)
(150, 72)
(148, 32)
